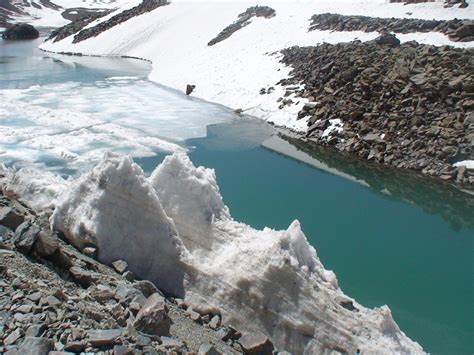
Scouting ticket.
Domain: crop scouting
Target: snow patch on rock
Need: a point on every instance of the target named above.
(469, 164)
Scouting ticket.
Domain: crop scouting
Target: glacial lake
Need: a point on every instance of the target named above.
(391, 237)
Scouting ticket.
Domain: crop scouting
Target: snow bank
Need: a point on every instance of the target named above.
(469, 164)
(115, 208)
(174, 229)
(234, 71)
(37, 188)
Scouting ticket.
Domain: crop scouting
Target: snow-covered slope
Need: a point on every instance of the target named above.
(174, 229)
(48, 12)
(232, 72)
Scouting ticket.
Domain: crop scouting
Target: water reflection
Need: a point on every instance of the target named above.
(435, 197)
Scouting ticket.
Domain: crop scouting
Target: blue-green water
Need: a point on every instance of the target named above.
(394, 240)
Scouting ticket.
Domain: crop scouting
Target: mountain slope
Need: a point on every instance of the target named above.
(50, 13)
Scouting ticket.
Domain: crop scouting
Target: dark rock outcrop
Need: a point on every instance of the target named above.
(21, 32)
(409, 106)
(144, 7)
(75, 26)
(447, 3)
(336, 22)
(242, 21)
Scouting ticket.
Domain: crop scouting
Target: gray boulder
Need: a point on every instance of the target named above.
(21, 32)
(153, 317)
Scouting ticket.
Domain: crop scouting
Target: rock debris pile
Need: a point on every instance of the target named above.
(409, 106)
(55, 298)
(447, 3)
(457, 30)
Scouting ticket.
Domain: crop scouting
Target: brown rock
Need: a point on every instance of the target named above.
(103, 337)
(120, 266)
(10, 218)
(46, 244)
(82, 276)
(36, 346)
(256, 343)
(153, 317)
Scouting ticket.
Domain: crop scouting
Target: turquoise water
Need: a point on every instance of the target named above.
(395, 239)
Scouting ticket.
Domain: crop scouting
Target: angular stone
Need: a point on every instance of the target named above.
(153, 317)
(78, 333)
(51, 301)
(103, 337)
(26, 308)
(143, 340)
(171, 343)
(125, 293)
(36, 346)
(120, 266)
(62, 259)
(146, 287)
(208, 349)
(83, 277)
(35, 330)
(229, 333)
(76, 346)
(372, 138)
(102, 293)
(24, 240)
(387, 39)
(10, 217)
(46, 244)
(256, 343)
(195, 316)
(35, 297)
(215, 322)
(122, 350)
(129, 276)
(90, 252)
(12, 338)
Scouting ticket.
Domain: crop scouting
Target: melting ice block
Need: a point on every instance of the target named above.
(174, 229)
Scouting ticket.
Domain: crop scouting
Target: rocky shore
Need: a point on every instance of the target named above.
(56, 298)
(408, 106)
(457, 30)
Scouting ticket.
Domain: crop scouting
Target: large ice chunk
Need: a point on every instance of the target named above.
(174, 229)
(115, 208)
